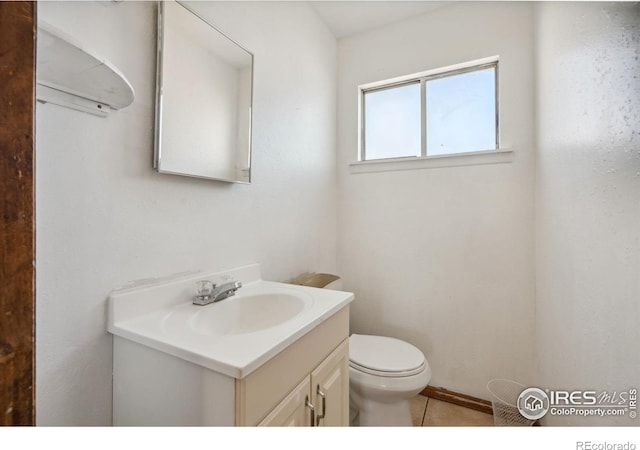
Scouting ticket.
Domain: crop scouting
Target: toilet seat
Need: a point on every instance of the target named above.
(384, 356)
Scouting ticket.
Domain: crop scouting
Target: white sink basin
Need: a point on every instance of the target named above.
(239, 314)
(234, 336)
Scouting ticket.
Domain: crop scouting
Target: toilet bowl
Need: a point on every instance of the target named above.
(384, 373)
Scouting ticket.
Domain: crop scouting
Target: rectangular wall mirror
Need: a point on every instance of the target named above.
(204, 90)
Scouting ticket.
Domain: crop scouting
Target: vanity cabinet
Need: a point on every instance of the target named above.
(330, 388)
(153, 388)
(265, 356)
(315, 366)
(294, 410)
(320, 399)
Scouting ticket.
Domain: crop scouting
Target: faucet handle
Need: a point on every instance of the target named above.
(204, 288)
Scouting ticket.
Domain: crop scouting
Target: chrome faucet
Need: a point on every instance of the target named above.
(208, 292)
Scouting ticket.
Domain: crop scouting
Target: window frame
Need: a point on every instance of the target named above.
(423, 78)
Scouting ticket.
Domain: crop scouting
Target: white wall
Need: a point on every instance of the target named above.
(443, 257)
(104, 217)
(588, 198)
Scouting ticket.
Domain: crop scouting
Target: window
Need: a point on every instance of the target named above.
(443, 112)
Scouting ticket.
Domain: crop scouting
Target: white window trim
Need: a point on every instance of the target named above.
(500, 156)
(493, 156)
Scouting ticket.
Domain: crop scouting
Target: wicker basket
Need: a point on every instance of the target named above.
(504, 400)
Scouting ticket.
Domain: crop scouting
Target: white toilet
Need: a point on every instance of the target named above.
(384, 373)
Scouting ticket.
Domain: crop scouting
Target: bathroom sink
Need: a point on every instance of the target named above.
(233, 336)
(239, 314)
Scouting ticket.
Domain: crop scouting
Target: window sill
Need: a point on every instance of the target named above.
(432, 162)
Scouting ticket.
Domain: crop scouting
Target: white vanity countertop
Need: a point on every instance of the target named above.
(160, 315)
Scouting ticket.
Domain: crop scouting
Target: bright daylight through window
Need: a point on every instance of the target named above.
(440, 113)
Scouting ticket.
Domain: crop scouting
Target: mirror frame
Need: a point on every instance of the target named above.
(157, 154)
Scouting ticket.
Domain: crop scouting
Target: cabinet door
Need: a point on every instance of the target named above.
(330, 388)
(293, 410)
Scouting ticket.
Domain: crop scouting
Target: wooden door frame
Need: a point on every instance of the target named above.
(18, 27)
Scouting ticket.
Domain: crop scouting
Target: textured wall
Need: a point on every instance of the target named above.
(104, 217)
(588, 199)
(443, 257)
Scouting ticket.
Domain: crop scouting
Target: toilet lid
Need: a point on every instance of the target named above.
(384, 356)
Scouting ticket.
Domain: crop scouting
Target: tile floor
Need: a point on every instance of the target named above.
(430, 412)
